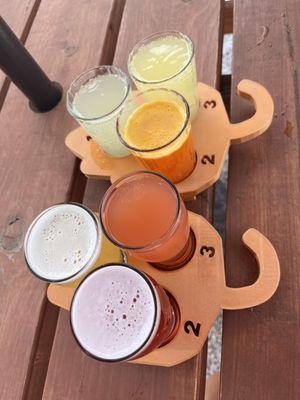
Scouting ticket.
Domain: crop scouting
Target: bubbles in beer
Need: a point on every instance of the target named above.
(62, 241)
(107, 334)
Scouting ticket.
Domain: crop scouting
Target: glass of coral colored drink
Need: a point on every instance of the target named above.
(155, 127)
(143, 214)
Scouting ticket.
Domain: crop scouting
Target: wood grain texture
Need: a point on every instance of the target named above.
(119, 381)
(36, 377)
(212, 387)
(19, 15)
(208, 284)
(261, 347)
(35, 171)
(228, 17)
(198, 19)
(91, 380)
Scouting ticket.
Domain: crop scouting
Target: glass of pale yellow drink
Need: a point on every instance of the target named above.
(166, 60)
(94, 99)
(155, 127)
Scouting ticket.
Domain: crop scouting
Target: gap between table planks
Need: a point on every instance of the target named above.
(261, 347)
(36, 171)
(71, 373)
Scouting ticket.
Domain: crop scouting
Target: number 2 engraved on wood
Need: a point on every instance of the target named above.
(210, 159)
(207, 249)
(194, 328)
(210, 104)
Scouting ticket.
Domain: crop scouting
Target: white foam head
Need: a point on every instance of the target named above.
(115, 313)
(61, 242)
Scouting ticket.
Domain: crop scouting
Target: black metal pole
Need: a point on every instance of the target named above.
(23, 70)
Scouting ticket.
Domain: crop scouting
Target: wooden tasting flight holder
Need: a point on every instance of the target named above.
(212, 131)
(200, 289)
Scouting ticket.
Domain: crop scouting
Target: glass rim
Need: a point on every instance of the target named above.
(142, 42)
(155, 302)
(33, 223)
(183, 128)
(80, 76)
(113, 188)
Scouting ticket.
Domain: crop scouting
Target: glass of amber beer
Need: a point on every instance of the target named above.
(143, 214)
(119, 313)
(155, 127)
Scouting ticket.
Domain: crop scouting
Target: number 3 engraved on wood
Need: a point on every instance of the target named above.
(210, 104)
(206, 249)
(195, 329)
(210, 159)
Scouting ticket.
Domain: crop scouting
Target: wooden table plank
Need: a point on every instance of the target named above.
(35, 171)
(228, 16)
(261, 346)
(19, 17)
(87, 378)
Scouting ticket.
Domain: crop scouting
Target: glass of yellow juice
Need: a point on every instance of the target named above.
(94, 99)
(155, 127)
(166, 60)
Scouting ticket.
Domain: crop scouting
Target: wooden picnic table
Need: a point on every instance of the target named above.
(39, 358)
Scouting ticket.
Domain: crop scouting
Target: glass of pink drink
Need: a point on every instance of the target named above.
(119, 313)
(143, 214)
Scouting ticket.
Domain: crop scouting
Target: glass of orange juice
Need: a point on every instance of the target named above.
(155, 127)
(143, 214)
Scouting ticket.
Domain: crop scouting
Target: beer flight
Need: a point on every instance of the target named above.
(118, 312)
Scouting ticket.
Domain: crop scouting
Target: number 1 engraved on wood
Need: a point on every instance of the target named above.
(194, 328)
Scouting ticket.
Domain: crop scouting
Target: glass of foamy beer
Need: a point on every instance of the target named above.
(119, 313)
(63, 243)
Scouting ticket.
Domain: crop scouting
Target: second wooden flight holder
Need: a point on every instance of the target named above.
(212, 131)
(200, 289)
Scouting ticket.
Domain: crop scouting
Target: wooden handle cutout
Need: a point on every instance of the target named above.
(212, 133)
(268, 279)
(261, 120)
